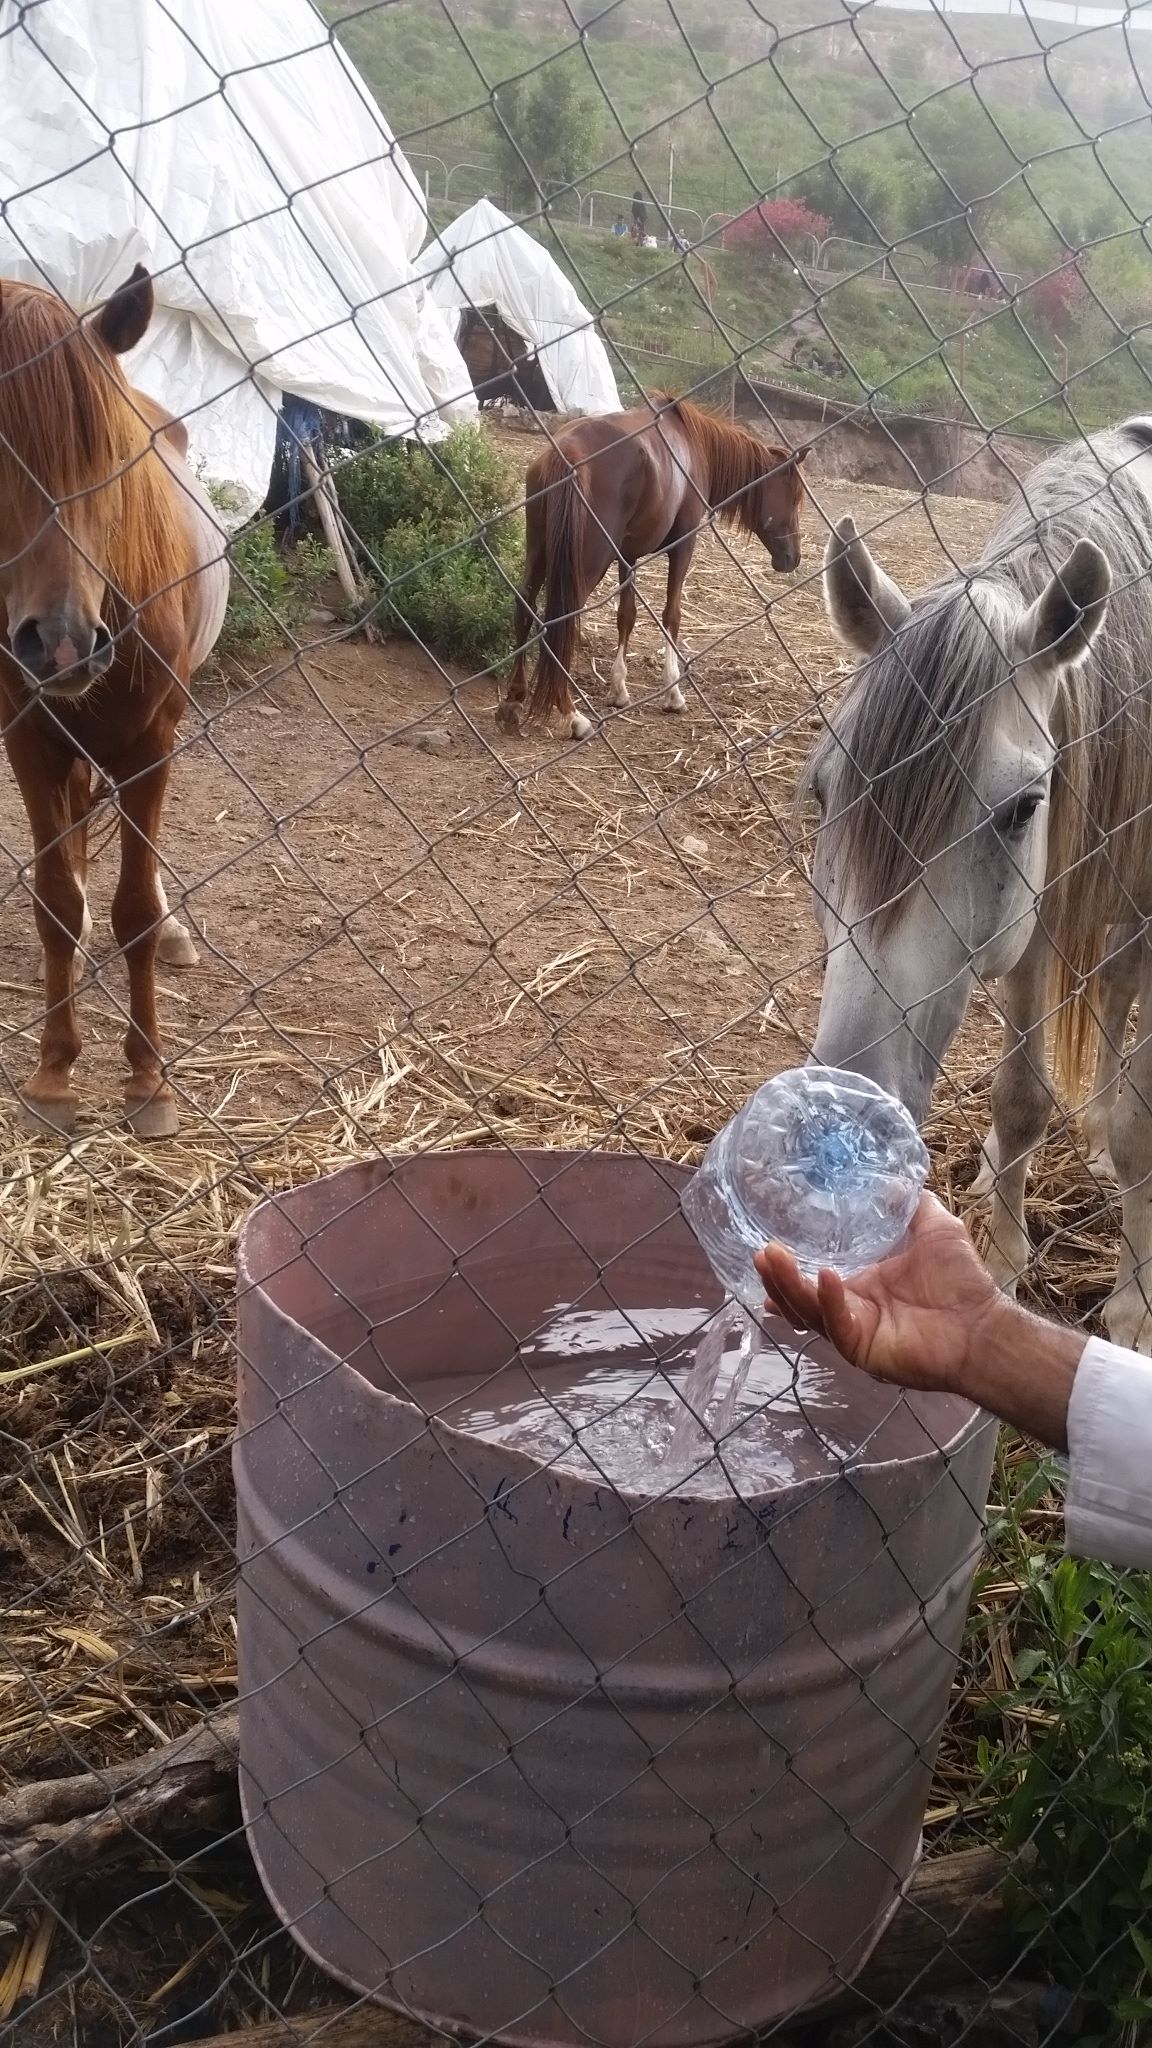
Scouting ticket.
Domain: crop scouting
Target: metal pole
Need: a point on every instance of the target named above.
(671, 164)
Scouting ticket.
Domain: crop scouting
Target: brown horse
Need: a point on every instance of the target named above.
(500, 364)
(613, 488)
(113, 584)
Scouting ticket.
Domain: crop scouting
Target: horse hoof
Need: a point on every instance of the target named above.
(158, 1117)
(508, 717)
(176, 948)
(55, 1118)
(581, 726)
(1128, 1322)
(674, 701)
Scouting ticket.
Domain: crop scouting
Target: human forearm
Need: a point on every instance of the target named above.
(1023, 1369)
(929, 1317)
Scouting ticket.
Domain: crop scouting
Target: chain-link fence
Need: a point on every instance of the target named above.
(563, 1717)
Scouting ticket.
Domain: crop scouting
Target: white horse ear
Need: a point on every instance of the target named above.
(864, 604)
(1057, 631)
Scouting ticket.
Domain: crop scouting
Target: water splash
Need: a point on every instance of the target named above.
(645, 1400)
(692, 1433)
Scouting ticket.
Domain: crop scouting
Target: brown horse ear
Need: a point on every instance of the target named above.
(123, 320)
(800, 456)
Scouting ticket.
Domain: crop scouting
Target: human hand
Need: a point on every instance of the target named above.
(916, 1318)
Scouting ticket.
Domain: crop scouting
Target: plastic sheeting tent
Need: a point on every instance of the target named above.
(484, 259)
(276, 214)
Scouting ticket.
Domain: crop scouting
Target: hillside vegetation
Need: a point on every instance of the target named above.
(951, 142)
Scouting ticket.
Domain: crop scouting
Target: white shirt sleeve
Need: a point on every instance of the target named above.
(1108, 1509)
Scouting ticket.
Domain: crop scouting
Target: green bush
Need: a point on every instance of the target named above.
(441, 549)
(1072, 1784)
(270, 594)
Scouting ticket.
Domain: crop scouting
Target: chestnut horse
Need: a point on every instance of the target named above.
(617, 486)
(113, 584)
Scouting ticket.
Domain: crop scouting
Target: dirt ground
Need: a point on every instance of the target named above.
(532, 899)
(511, 938)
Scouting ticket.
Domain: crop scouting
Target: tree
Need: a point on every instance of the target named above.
(549, 128)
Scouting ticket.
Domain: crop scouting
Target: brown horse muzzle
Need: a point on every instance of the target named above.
(785, 555)
(60, 656)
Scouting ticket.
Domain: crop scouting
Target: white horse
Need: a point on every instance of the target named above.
(986, 800)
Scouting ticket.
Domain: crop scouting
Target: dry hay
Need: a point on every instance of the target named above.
(115, 1312)
(116, 1274)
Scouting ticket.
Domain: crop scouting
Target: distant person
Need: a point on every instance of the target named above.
(621, 225)
(639, 218)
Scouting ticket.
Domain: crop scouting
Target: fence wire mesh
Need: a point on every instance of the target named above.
(530, 1752)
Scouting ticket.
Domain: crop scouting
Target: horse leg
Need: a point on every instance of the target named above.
(625, 623)
(79, 806)
(174, 946)
(50, 1103)
(1117, 986)
(138, 910)
(1128, 1313)
(1021, 1104)
(79, 800)
(679, 557)
(526, 624)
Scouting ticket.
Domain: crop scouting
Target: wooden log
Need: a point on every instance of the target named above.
(55, 1831)
(951, 1929)
(323, 491)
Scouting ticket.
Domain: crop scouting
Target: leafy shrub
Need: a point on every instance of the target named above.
(270, 594)
(1076, 1789)
(438, 543)
(776, 225)
(1056, 299)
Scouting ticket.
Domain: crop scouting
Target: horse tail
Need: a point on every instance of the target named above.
(565, 526)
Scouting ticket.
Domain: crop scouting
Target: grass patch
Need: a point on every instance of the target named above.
(1067, 1775)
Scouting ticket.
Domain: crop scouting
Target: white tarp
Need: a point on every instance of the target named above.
(484, 259)
(275, 212)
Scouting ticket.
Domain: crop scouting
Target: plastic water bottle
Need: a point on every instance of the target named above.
(823, 1161)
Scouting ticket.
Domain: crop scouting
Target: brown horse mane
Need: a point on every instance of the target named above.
(69, 424)
(735, 459)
